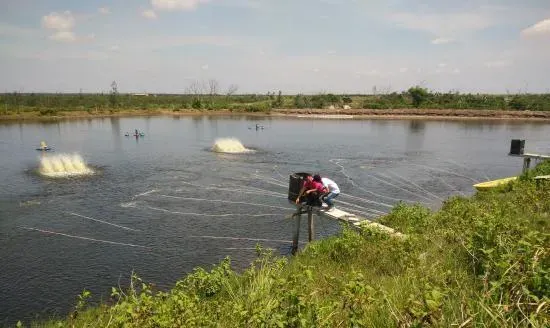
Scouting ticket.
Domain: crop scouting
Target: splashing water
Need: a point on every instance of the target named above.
(229, 145)
(63, 165)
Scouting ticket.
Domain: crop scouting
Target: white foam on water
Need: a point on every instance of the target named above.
(129, 204)
(63, 165)
(230, 145)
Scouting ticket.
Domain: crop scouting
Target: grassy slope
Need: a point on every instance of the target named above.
(482, 261)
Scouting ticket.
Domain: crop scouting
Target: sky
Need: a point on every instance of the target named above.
(296, 46)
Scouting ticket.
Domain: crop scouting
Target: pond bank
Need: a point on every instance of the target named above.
(445, 114)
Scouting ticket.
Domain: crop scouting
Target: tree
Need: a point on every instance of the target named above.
(213, 86)
(418, 95)
(232, 89)
(113, 96)
(196, 88)
(279, 101)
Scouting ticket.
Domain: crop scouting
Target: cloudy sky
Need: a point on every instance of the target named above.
(308, 46)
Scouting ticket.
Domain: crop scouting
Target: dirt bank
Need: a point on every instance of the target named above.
(416, 113)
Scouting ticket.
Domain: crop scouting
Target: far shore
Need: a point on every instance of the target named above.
(424, 114)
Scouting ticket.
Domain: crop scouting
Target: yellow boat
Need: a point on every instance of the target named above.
(492, 184)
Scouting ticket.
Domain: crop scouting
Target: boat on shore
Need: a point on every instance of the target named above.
(487, 185)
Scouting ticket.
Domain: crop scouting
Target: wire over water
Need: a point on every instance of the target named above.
(222, 201)
(342, 170)
(411, 183)
(83, 238)
(105, 222)
(209, 215)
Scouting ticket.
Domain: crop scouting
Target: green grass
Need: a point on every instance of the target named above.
(482, 261)
(416, 97)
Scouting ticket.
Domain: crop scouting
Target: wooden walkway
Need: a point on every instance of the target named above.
(334, 214)
(527, 159)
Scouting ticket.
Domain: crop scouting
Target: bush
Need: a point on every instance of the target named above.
(419, 95)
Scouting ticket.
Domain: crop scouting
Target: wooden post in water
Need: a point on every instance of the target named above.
(296, 236)
(311, 231)
(526, 164)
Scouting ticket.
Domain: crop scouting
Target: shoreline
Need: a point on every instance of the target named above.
(350, 114)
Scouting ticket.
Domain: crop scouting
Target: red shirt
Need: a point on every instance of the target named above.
(313, 185)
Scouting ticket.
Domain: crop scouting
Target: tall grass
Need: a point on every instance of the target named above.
(482, 261)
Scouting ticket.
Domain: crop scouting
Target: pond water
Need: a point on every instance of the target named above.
(164, 203)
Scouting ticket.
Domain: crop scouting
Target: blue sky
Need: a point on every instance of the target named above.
(297, 46)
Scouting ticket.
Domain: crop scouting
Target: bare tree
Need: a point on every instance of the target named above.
(232, 89)
(213, 87)
(196, 88)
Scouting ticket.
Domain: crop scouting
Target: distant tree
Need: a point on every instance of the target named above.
(279, 100)
(113, 95)
(232, 89)
(332, 99)
(301, 101)
(213, 86)
(418, 95)
(347, 99)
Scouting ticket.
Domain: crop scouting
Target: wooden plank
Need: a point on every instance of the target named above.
(339, 215)
(530, 155)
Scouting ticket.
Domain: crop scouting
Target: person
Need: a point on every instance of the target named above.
(331, 190)
(312, 190)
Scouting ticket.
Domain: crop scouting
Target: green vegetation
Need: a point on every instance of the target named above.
(200, 98)
(482, 261)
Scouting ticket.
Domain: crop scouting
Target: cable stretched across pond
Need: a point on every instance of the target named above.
(105, 222)
(223, 201)
(83, 238)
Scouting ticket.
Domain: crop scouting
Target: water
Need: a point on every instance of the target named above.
(164, 203)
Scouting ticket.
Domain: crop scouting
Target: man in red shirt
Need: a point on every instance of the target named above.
(312, 190)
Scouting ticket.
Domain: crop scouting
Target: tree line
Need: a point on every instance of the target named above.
(208, 95)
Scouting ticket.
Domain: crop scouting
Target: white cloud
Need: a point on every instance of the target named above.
(439, 41)
(316, 70)
(176, 4)
(540, 28)
(63, 36)
(114, 48)
(149, 14)
(455, 23)
(456, 71)
(403, 70)
(204, 67)
(104, 10)
(60, 22)
(442, 65)
(499, 63)
(63, 24)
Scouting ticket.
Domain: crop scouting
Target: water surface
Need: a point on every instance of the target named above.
(162, 204)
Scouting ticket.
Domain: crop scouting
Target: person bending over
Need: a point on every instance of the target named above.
(331, 190)
(312, 190)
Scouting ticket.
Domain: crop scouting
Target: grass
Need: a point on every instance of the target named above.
(45, 105)
(482, 261)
